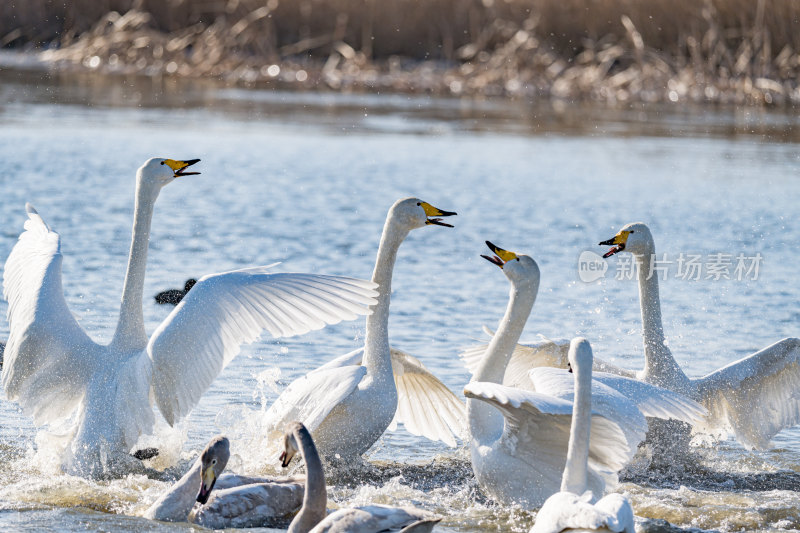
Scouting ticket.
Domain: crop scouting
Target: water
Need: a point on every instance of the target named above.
(307, 180)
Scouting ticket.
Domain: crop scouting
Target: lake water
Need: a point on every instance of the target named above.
(307, 179)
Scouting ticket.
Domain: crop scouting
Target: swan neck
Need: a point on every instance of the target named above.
(574, 479)
(660, 367)
(130, 333)
(315, 499)
(376, 346)
(176, 504)
(486, 422)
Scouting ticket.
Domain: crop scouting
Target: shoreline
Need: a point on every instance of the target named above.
(518, 65)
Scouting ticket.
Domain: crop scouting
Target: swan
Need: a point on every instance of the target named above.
(349, 402)
(571, 508)
(368, 519)
(518, 437)
(174, 296)
(752, 398)
(53, 369)
(255, 504)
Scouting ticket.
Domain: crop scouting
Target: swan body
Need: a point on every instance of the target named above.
(752, 398)
(348, 403)
(258, 503)
(571, 508)
(367, 519)
(519, 435)
(53, 369)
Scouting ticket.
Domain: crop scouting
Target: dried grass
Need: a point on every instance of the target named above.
(728, 51)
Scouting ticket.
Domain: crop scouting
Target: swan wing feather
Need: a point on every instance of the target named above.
(48, 357)
(537, 428)
(425, 406)
(371, 518)
(249, 505)
(223, 311)
(754, 397)
(564, 511)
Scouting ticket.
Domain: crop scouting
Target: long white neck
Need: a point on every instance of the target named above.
(315, 499)
(484, 420)
(176, 504)
(660, 368)
(575, 471)
(377, 358)
(130, 334)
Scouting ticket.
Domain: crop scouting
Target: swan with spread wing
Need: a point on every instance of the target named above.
(53, 369)
(349, 402)
(752, 398)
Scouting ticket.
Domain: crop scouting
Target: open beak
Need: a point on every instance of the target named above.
(617, 243)
(501, 256)
(431, 211)
(178, 167)
(286, 458)
(209, 478)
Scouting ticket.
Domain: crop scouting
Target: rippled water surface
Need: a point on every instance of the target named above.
(307, 180)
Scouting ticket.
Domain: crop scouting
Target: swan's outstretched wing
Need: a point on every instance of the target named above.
(311, 398)
(538, 425)
(425, 406)
(540, 352)
(652, 400)
(564, 511)
(48, 358)
(755, 397)
(606, 401)
(223, 311)
(377, 518)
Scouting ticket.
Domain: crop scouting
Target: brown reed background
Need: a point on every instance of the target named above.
(728, 51)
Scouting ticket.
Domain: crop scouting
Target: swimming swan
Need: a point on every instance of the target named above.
(571, 508)
(752, 398)
(368, 519)
(349, 402)
(256, 504)
(519, 437)
(53, 368)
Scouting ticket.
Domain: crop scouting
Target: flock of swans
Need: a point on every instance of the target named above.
(549, 426)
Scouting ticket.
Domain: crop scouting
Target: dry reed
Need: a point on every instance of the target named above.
(727, 51)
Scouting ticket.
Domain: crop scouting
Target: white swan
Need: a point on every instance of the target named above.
(258, 503)
(53, 368)
(348, 403)
(752, 398)
(519, 437)
(571, 508)
(368, 519)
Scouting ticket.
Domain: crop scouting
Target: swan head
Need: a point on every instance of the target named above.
(212, 462)
(580, 354)
(634, 238)
(157, 171)
(290, 444)
(520, 269)
(413, 213)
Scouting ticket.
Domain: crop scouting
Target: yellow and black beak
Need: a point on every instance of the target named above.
(209, 477)
(617, 243)
(431, 211)
(286, 458)
(178, 167)
(501, 256)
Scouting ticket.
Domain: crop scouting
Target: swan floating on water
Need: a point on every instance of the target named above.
(519, 437)
(752, 398)
(349, 402)
(256, 503)
(174, 296)
(571, 508)
(368, 519)
(52, 368)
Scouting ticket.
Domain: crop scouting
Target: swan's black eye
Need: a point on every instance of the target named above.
(419, 203)
(162, 162)
(631, 231)
(213, 461)
(517, 258)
